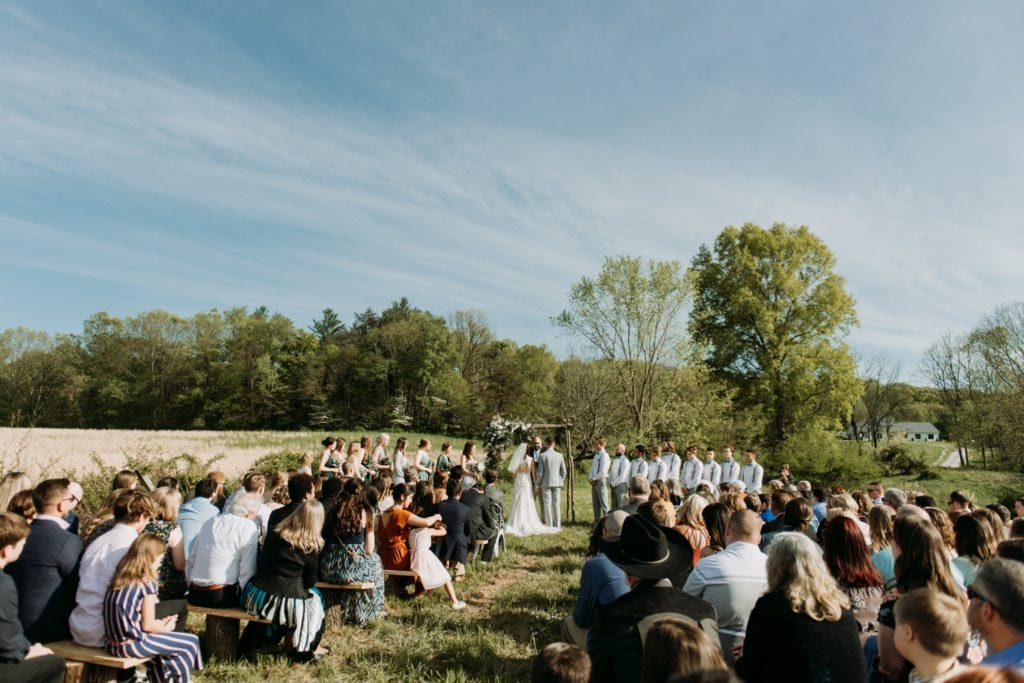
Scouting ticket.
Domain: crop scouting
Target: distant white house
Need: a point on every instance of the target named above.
(911, 431)
(915, 431)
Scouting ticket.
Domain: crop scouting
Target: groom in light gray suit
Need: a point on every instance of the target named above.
(551, 478)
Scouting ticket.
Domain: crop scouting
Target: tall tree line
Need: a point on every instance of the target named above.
(242, 369)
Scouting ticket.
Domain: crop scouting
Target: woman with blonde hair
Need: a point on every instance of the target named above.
(282, 591)
(171, 576)
(690, 523)
(379, 462)
(674, 647)
(803, 622)
(944, 525)
(11, 484)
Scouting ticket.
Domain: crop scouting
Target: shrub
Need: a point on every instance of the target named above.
(815, 454)
(279, 460)
(896, 459)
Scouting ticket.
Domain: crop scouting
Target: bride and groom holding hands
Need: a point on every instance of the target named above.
(538, 471)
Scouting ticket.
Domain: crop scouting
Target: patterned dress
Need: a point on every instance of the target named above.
(176, 654)
(172, 582)
(345, 560)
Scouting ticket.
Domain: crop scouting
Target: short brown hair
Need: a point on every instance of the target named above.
(132, 505)
(674, 646)
(253, 481)
(659, 512)
(50, 493)
(939, 620)
(561, 663)
(13, 528)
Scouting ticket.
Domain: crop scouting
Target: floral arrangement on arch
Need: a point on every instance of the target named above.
(501, 433)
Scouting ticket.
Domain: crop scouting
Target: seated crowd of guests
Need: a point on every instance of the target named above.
(124, 581)
(798, 584)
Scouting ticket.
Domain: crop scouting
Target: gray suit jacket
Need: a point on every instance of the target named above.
(551, 469)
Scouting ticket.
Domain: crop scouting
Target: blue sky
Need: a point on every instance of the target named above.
(196, 155)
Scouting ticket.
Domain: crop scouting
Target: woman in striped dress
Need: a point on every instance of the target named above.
(282, 591)
(129, 617)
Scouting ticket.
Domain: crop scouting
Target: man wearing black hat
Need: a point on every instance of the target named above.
(648, 555)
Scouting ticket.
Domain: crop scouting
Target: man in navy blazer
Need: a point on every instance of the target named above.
(452, 548)
(46, 574)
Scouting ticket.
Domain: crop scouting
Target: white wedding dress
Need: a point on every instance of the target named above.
(523, 519)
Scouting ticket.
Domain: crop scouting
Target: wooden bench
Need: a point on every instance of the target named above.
(393, 579)
(334, 599)
(92, 664)
(222, 629)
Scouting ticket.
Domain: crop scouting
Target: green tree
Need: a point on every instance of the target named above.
(771, 311)
(631, 313)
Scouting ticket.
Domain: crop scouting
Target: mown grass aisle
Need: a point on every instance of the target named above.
(516, 605)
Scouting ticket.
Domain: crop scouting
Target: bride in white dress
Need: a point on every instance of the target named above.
(523, 519)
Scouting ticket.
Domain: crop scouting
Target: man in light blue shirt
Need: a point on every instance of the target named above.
(599, 469)
(996, 610)
(194, 514)
(601, 582)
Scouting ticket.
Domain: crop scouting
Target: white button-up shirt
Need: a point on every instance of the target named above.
(224, 553)
(732, 580)
(639, 468)
(670, 462)
(712, 471)
(620, 470)
(94, 576)
(600, 466)
(730, 470)
(692, 472)
(657, 470)
(752, 476)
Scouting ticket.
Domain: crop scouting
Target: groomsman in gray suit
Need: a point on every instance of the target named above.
(550, 478)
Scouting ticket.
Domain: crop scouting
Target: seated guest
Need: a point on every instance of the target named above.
(430, 572)
(996, 610)
(850, 564)
(733, 579)
(601, 583)
(282, 590)
(330, 490)
(803, 618)
(47, 573)
(638, 494)
(674, 647)
(395, 527)
(349, 554)
(931, 628)
(716, 521)
(976, 541)
(196, 512)
(796, 517)
(224, 556)
(171, 575)
(125, 479)
(452, 547)
(12, 483)
(20, 659)
(648, 556)
(103, 521)
(300, 489)
(485, 504)
(132, 628)
(132, 512)
(22, 504)
(254, 482)
(691, 525)
(560, 663)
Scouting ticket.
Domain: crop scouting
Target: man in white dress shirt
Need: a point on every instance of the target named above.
(619, 478)
(671, 461)
(712, 470)
(730, 468)
(599, 470)
(733, 579)
(133, 510)
(752, 474)
(639, 467)
(655, 470)
(693, 470)
(224, 557)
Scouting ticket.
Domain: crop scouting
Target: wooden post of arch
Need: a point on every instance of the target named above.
(570, 498)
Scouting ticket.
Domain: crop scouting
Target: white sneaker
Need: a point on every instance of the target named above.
(459, 605)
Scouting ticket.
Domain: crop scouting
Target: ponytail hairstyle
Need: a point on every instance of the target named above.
(137, 564)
